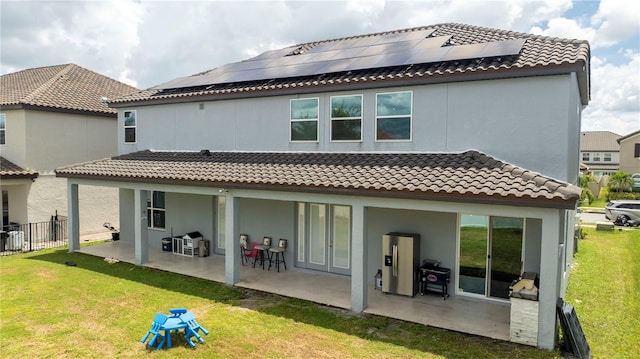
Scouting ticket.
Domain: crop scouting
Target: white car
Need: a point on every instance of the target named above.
(627, 212)
(636, 180)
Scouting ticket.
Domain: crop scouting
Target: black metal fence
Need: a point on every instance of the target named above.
(19, 238)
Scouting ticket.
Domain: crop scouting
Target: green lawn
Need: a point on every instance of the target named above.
(604, 288)
(97, 309)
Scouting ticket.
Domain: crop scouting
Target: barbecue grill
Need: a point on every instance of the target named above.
(434, 279)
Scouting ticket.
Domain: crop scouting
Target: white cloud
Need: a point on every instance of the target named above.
(617, 21)
(95, 35)
(566, 28)
(616, 96)
(146, 43)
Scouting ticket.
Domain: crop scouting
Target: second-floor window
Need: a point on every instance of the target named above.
(346, 118)
(3, 129)
(596, 157)
(304, 120)
(393, 116)
(155, 210)
(607, 157)
(130, 124)
(585, 156)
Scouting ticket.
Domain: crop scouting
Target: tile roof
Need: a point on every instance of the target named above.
(66, 87)
(539, 55)
(470, 176)
(599, 141)
(9, 170)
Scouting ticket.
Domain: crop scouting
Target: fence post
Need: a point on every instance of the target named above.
(30, 231)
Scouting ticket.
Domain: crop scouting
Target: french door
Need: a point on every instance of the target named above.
(324, 237)
(489, 254)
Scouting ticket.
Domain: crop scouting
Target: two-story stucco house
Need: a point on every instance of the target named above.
(50, 117)
(463, 135)
(630, 153)
(600, 152)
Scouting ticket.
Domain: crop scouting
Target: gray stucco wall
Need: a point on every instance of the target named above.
(531, 122)
(437, 235)
(265, 218)
(533, 235)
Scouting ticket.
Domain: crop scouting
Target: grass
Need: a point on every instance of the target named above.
(96, 309)
(604, 288)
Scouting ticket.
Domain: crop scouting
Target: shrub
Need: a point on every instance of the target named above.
(587, 195)
(622, 195)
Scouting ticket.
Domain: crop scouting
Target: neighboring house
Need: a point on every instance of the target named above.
(467, 136)
(600, 151)
(50, 117)
(19, 180)
(630, 153)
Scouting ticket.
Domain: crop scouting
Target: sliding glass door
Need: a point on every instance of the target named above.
(489, 255)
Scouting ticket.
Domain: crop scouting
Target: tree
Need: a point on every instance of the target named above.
(584, 184)
(620, 182)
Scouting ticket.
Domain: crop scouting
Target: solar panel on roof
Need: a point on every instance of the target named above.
(389, 48)
(503, 48)
(251, 75)
(417, 35)
(432, 42)
(384, 39)
(393, 59)
(366, 41)
(464, 52)
(433, 54)
(325, 46)
(364, 62)
(299, 69)
(372, 51)
(347, 53)
(345, 44)
(338, 65)
(271, 54)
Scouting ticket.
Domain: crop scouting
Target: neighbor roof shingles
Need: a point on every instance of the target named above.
(471, 175)
(540, 54)
(66, 87)
(9, 170)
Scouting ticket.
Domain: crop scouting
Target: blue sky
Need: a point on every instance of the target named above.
(145, 43)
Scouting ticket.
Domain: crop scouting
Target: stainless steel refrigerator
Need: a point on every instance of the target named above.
(400, 263)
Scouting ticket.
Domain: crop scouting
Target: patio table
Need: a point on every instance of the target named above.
(173, 323)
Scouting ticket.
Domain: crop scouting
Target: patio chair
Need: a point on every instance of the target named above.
(193, 327)
(278, 252)
(247, 253)
(156, 326)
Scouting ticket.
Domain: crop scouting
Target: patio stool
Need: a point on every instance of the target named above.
(262, 249)
(278, 252)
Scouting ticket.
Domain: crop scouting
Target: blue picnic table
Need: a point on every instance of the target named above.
(180, 319)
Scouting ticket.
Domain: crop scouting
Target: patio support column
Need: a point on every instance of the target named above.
(231, 247)
(73, 216)
(359, 255)
(140, 233)
(549, 279)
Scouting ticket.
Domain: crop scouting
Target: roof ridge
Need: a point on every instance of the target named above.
(42, 88)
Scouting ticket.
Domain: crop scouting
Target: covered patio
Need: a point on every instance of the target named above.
(489, 319)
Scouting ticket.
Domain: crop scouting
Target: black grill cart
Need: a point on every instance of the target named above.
(434, 278)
